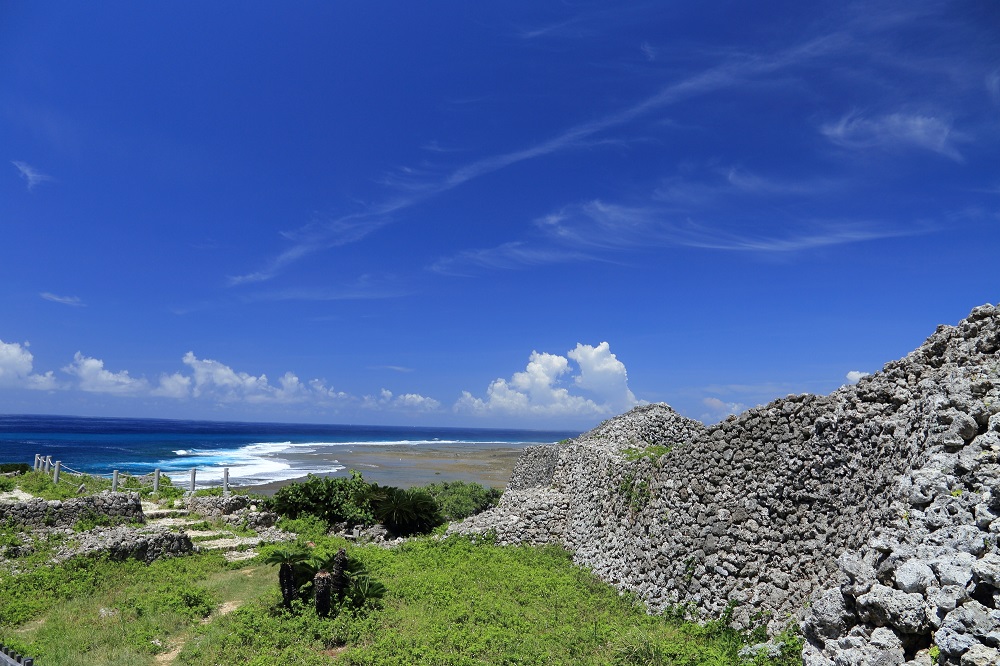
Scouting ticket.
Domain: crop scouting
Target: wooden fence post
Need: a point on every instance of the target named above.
(48, 463)
(114, 481)
(38, 462)
(55, 475)
(192, 479)
(225, 480)
(156, 480)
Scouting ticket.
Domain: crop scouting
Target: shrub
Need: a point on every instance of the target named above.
(17, 468)
(407, 511)
(461, 499)
(6, 484)
(335, 500)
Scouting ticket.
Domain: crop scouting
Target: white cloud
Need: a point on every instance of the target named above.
(31, 174)
(538, 390)
(603, 374)
(93, 378)
(413, 402)
(16, 365)
(720, 409)
(217, 380)
(173, 386)
(63, 300)
(897, 130)
(854, 376)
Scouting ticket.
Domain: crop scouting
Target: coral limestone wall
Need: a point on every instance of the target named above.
(874, 506)
(66, 513)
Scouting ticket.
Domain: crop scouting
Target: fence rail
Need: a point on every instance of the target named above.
(55, 467)
(10, 658)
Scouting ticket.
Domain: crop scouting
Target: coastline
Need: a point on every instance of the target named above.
(406, 466)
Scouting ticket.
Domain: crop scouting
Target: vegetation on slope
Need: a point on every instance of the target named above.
(452, 601)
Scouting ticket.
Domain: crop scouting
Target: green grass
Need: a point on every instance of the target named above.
(458, 602)
(40, 484)
(453, 602)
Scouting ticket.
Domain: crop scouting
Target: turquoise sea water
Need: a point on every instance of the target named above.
(254, 452)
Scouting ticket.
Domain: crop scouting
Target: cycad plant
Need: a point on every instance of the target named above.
(339, 579)
(331, 581)
(406, 511)
(288, 560)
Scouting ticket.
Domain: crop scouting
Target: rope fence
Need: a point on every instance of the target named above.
(55, 468)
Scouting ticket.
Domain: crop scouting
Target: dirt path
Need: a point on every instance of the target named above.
(170, 657)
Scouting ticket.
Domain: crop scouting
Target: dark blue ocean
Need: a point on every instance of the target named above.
(254, 452)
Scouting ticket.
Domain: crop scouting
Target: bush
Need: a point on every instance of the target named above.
(461, 499)
(6, 484)
(407, 511)
(17, 468)
(334, 500)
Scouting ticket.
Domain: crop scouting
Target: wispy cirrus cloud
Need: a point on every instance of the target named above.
(895, 131)
(598, 230)
(73, 301)
(32, 175)
(512, 255)
(993, 86)
(736, 70)
(364, 287)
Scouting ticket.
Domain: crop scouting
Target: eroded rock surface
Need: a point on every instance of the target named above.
(870, 514)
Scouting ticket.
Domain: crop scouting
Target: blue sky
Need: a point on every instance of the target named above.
(452, 213)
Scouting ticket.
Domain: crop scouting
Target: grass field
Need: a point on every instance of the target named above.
(450, 601)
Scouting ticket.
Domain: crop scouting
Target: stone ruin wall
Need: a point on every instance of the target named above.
(68, 512)
(810, 501)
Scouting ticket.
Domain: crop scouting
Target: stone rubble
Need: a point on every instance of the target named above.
(870, 515)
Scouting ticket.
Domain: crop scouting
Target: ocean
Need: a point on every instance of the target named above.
(263, 453)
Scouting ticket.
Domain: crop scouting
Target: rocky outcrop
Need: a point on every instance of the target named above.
(124, 507)
(873, 507)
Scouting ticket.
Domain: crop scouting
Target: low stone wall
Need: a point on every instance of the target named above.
(216, 506)
(66, 513)
(799, 501)
(238, 510)
(121, 543)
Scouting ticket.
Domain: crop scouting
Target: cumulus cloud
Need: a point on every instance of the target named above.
(603, 374)
(413, 402)
(214, 380)
(720, 409)
(854, 376)
(94, 378)
(31, 174)
(219, 381)
(541, 390)
(16, 365)
(893, 131)
(173, 386)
